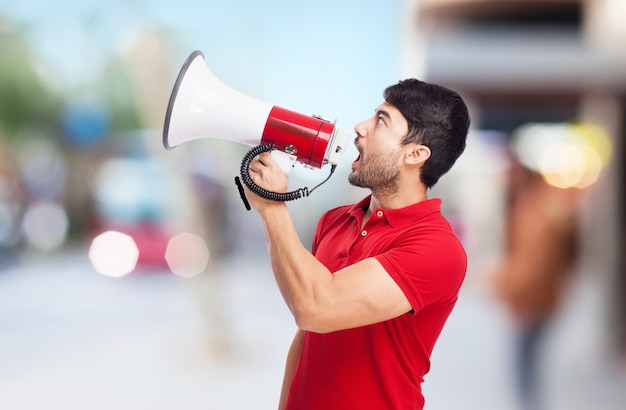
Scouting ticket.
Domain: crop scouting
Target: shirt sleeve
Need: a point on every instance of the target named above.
(317, 233)
(429, 267)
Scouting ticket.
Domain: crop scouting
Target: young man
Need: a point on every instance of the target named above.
(384, 274)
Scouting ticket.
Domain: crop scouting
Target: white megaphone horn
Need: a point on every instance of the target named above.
(201, 106)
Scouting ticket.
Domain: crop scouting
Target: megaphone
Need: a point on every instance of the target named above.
(201, 106)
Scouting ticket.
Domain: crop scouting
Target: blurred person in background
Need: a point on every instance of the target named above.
(540, 253)
(372, 297)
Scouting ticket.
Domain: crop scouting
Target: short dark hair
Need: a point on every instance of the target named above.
(437, 117)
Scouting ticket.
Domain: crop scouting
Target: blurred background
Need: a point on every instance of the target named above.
(133, 277)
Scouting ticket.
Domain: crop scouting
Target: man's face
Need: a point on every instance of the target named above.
(378, 141)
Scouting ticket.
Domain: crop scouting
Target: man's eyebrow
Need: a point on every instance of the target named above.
(383, 113)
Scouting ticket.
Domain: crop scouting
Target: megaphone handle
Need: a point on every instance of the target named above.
(273, 196)
(285, 161)
(248, 182)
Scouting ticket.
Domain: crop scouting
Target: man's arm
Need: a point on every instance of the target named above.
(320, 301)
(292, 360)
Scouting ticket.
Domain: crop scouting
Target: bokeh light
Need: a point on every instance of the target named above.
(566, 155)
(42, 166)
(45, 225)
(113, 254)
(187, 255)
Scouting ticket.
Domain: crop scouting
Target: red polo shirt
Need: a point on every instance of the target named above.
(382, 366)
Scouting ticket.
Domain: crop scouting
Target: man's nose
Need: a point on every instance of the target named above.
(360, 129)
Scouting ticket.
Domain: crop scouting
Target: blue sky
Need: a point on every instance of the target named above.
(327, 57)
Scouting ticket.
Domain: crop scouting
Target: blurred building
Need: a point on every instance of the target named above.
(525, 61)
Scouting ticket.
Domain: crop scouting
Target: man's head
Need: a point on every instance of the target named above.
(437, 118)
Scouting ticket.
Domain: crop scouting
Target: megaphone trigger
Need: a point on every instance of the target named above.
(285, 160)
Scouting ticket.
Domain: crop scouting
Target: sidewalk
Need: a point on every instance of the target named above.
(72, 339)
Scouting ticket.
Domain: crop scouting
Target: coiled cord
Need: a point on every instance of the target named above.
(264, 193)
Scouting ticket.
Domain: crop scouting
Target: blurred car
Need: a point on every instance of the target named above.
(145, 199)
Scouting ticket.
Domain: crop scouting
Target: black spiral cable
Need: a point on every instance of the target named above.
(264, 193)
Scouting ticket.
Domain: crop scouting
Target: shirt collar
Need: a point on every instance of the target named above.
(402, 216)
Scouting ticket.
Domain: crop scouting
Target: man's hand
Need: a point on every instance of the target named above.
(266, 173)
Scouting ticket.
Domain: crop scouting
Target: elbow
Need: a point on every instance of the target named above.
(314, 310)
(312, 320)
(305, 318)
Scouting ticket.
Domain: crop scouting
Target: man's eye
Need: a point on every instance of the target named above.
(380, 120)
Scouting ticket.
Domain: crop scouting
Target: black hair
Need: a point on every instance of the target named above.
(437, 118)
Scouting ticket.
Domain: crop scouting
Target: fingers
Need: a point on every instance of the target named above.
(255, 166)
(265, 158)
(266, 173)
(263, 161)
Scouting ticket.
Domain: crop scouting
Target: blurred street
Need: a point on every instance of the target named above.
(73, 339)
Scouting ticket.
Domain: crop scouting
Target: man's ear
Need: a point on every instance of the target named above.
(417, 154)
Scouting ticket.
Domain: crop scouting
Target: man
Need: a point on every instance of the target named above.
(384, 274)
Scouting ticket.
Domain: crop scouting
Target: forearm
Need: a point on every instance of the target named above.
(301, 278)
